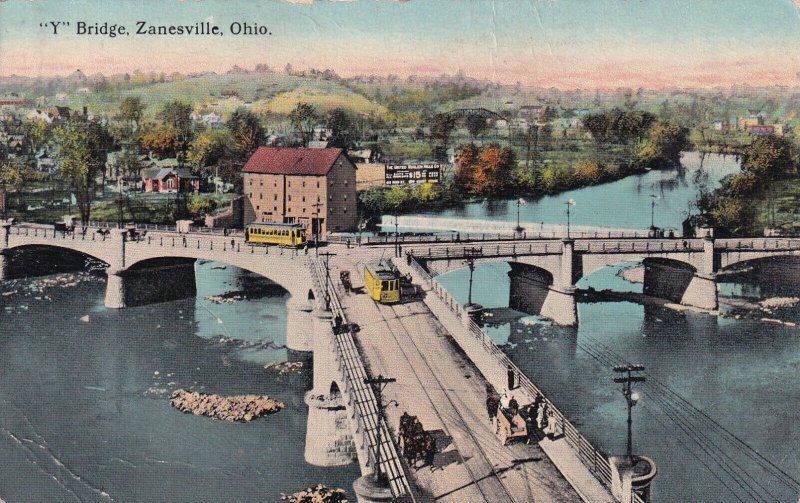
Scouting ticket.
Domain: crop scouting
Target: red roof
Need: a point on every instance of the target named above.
(292, 161)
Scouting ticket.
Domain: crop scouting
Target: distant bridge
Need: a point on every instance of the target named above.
(544, 273)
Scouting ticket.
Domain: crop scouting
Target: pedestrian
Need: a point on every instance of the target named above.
(540, 415)
(513, 405)
(685, 244)
(348, 243)
(233, 244)
(512, 377)
(552, 425)
(305, 247)
(491, 404)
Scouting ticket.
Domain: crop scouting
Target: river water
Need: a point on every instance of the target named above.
(85, 410)
(624, 204)
(719, 405)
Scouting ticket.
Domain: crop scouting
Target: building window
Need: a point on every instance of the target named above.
(258, 207)
(345, 183)
(275, 184)
(345, 197)
(304, 210)
(275, 197)
(345, 209)
(251, 195)
(318, 200)
(304, 183)
(317, 183)
(304, 198)
(275, 208)
(251, 181)
(330, 198)
(261, 196)
(290, 183)
(290, 197)
(261, 182)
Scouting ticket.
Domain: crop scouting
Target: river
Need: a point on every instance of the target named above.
(623, 204)
(719, 405)
(86, 413)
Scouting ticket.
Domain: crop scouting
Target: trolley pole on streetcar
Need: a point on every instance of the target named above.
(632, 399)
(327, 256)
(378, 384)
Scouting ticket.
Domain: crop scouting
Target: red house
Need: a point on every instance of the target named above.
(170, 180)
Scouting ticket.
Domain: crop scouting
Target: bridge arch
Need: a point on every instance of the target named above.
(51, 259)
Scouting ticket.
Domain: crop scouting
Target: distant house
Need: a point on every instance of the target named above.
(169, 179)
(45, 163)
(42, 115)
(363, 156)
(531, 111)
(317, 144)
(755, 118)
(213, 119)
(761, 130)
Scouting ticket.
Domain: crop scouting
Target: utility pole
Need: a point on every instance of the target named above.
(471, 255)
(328, 256)
(396, 238)
(569, 203)
(632, 399)
(315, 228)
(378, 384)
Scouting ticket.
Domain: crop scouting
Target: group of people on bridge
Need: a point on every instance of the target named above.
(539, 417)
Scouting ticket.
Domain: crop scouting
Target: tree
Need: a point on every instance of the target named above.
(164, 141)
(177, 117)
(304, 117)
(663, 146)
(476, 125)
(207, 148)
(82, 149)
(442, 126)
(37, 132)
(768, 157)
(246, 130)
(373, 201)
(485, 171)
(131, 110)
(342, 128)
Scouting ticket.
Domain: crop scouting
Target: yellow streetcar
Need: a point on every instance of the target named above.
(293, 235)
(382, 282)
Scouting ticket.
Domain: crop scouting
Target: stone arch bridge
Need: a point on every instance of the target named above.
(544, 273)
(157, 266)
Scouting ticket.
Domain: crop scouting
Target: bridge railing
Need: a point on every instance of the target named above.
(595, 460)
(465, 237)
(362, 397)
(764, 244)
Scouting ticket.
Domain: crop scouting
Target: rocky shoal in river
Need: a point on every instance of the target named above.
(318, 494)
(231, 408)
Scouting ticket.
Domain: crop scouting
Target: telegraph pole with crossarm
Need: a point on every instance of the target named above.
(327, 256)
(632, 399)
(378, 384)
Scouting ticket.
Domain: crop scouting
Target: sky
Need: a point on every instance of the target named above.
(560, 43)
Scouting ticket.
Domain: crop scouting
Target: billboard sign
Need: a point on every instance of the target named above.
(412, 174)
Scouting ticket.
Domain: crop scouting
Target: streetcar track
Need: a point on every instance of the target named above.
(476, 481)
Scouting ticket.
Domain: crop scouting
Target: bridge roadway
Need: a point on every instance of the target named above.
(438, 384)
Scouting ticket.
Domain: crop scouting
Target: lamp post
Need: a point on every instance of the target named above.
(315, 227)
(519, 228)
(569, 203)
(631, 398)
(396, 238)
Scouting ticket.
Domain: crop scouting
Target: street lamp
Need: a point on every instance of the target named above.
(653, 211)
(631, 398)
(315, 227)
(520, 202)
(569, 203)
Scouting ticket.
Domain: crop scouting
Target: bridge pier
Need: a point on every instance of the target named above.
(702, 293)
(329, 436)
(561, 307)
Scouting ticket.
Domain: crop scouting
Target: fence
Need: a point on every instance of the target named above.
(361, 395)
(596, 461)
